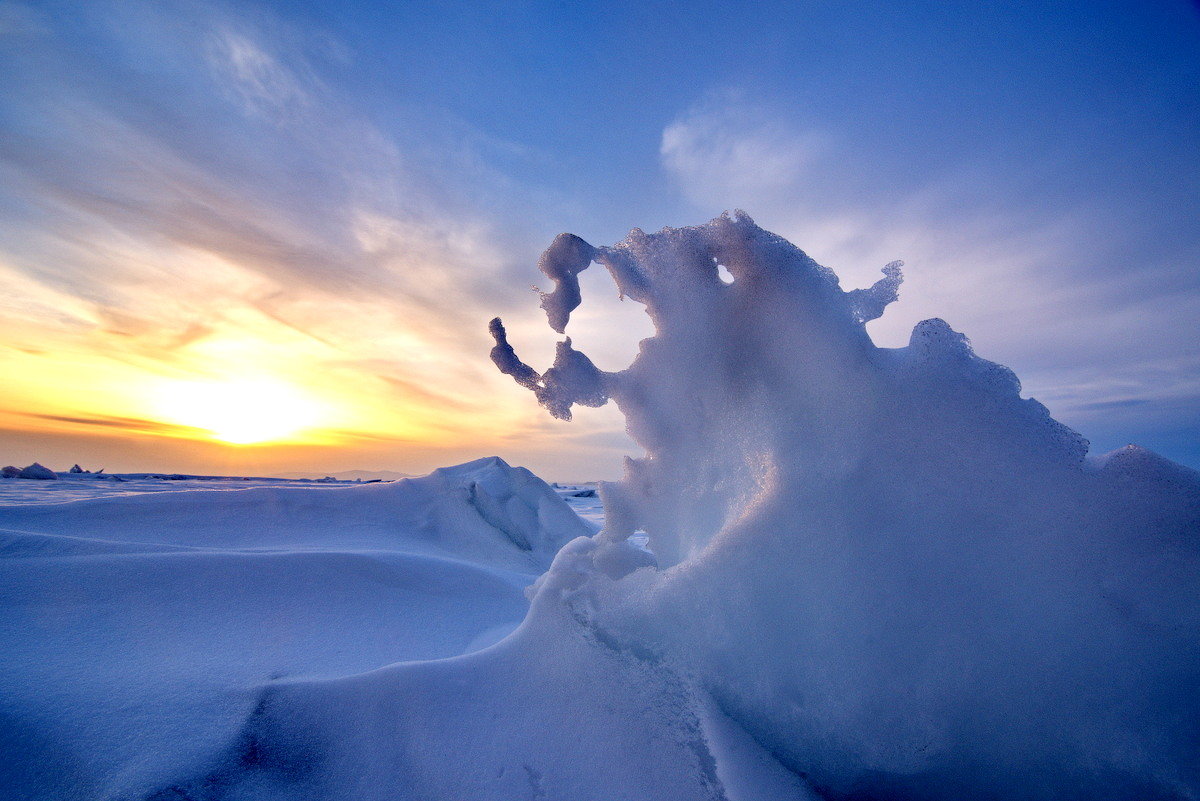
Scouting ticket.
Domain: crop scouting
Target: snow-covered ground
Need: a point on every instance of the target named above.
(86, 486)
(141, 618)
(583, 498)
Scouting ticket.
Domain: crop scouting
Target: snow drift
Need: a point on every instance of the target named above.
(900, 578)
(136, 631)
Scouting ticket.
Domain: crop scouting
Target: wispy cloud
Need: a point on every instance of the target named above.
(733, 147)
(222, 211)
(258, 78)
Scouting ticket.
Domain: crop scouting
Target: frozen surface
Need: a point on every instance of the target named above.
(86, 486)
(585, 500)
(137, 629)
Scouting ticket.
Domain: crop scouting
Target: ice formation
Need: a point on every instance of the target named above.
(34, 471)
(897, 576)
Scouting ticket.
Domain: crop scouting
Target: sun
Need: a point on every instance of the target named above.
(240, 411)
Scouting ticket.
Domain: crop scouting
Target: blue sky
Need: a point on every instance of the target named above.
(355, 188)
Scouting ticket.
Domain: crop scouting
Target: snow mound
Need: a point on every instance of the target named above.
(483, 511)
(136, 631)
(34, 471)
(902, 579)
(551, 712)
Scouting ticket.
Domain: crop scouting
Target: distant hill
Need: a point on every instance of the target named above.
(351, 475)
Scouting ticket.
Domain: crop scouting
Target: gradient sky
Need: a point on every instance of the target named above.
(297, 217)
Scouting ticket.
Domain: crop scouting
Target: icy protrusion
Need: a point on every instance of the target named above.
(505, 358)
(940, 356)
(892, 572)
(868, 304)
(37, 471)
(562, 262)
(573, 378)
(10, 471)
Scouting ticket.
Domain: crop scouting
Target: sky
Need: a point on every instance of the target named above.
(259, 237)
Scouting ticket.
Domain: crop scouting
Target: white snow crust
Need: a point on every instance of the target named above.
(137, 630)
(895, 574)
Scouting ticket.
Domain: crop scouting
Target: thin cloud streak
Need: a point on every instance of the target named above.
(131, 424)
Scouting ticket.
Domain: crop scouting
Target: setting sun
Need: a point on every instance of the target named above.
(240, 412)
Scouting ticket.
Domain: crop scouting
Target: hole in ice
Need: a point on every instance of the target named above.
(724, 274)
(605, 327)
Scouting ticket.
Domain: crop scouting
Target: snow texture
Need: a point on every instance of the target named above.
(137, 630)
(37, 472)
(896, 575)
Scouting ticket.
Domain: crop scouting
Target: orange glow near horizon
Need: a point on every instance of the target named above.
(190, 362)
